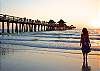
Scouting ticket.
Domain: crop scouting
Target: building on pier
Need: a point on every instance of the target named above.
(60, 25)
(51, 25)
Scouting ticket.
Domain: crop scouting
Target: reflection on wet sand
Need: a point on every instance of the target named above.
(4, 51)
(0, 58)
(85, 67)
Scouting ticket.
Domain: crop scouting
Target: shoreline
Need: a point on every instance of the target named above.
(46, 49)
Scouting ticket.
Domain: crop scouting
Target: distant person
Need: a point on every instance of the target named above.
(85, 43)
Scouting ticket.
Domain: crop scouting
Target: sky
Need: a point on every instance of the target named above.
(81, 13)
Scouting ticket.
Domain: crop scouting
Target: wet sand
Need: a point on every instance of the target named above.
(42, 59)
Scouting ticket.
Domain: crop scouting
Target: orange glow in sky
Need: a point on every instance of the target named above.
(81, 13)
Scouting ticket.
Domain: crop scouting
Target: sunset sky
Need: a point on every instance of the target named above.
(81, 13)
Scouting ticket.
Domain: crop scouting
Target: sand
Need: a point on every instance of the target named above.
(42, 59)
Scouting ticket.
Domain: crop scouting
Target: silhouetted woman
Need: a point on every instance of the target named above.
(85, 43)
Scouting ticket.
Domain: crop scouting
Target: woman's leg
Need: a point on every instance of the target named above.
(86, 56)
(83, 57)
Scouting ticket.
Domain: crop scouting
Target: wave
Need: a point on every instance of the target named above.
(47, 39)
(65, 41)
(43, 36)
(49, 46)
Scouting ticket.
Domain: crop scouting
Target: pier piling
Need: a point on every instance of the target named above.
(2, 27)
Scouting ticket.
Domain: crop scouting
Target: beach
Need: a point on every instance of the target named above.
(42, 59)
(47, 51)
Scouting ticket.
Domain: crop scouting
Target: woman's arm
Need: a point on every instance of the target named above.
(89, 44)
(89, 41)
(81, 40)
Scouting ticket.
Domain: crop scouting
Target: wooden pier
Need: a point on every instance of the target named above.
(17, 24)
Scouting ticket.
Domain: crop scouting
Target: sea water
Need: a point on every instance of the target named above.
(68, 39)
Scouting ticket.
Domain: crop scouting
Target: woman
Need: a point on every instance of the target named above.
(85, 42)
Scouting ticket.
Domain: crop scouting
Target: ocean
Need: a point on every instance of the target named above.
(66, 40)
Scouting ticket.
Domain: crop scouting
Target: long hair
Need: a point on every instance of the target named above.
(85, 32)
(84, 35)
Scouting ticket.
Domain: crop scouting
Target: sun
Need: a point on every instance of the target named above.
(95, 23)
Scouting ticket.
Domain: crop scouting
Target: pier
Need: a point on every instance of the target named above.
(17, 24)
(14, 24)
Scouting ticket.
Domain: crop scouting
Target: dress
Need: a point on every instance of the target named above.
(85, 44)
